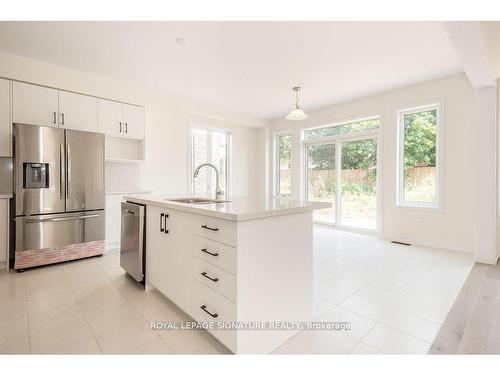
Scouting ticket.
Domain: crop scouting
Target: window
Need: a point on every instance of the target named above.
(341, 169)
(419, 157)
(284, 164)
(346, 128)
(359, 183)
(209, 146)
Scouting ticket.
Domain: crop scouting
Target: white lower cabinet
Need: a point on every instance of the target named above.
(219, 230)
(167, 261)
(214, 252)
(215, 278)
(113, 221)
(209, 306)
(4, 231)
(225, 272)
(195, 285)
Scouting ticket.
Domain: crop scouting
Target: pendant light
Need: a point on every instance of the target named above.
(296, 113)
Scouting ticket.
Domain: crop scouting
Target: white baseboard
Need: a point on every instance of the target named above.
(399, 238)
(413, 241)
(112, 246)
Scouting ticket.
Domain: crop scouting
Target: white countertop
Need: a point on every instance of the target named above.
(125, 192)
(238, 209)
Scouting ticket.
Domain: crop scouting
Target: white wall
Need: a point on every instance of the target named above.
(167, 120)
(449, 228)
(498, 171)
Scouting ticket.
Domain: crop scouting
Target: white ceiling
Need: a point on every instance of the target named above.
(246, 67)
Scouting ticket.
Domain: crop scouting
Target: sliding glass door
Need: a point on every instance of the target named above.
(358, 204)
(321, 177)
(344, 173)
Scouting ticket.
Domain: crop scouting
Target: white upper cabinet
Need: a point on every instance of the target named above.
(34, 105)
(121, 120)
(38, 105)
(78, 112)
(133, 118)
(5, 127)
(110, 117)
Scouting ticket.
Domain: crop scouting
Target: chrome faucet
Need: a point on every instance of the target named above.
(218, 191)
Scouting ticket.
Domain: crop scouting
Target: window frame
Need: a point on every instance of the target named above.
(345, 121)
(338, 139)
(276, 163)
(210, 129)
(400, 201)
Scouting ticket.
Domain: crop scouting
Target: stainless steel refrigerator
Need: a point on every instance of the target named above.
(58, 188)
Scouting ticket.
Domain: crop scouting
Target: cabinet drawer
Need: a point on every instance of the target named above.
(209, 306)
(214, 252)
(215, 229)
(215, 278)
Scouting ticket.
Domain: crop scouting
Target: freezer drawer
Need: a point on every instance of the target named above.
(48, 231)
(132, 240)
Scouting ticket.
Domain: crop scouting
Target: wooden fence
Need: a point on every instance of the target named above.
(361, 176)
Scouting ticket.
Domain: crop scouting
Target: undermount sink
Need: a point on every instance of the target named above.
(197, 200)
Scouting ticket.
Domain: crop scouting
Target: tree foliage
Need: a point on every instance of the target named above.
(419, 147)
(420, 139)
(285, 147)
(352, 127)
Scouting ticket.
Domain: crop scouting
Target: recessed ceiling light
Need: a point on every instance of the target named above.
(180, 42)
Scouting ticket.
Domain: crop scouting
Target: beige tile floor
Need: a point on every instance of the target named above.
(395, 297)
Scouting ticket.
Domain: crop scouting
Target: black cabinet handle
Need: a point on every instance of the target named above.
(54, 120)
(209, 253)
(162, 229)
(120, 126)
(166, 217)
(213, 229)
(126, 127)
(215, 279)
(204, 308)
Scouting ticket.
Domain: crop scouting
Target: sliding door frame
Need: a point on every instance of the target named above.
(337, 140)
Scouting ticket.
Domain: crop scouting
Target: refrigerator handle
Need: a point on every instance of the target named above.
(62, 172)
(68, 168)
(42, 220)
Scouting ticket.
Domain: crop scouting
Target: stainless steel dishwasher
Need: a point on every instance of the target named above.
(133, 241)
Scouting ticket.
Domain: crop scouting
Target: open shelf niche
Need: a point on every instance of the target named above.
(123, 150)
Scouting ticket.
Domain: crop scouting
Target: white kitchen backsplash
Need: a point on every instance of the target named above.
(123, 177)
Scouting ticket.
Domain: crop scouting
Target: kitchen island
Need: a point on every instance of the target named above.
(247, 261)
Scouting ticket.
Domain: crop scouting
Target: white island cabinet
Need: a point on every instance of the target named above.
(245, 261)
